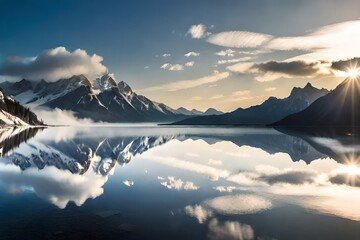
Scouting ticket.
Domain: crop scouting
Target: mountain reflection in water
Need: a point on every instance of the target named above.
(219, 183)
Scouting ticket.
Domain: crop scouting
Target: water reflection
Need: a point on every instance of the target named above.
(12, 137)
(212, 180)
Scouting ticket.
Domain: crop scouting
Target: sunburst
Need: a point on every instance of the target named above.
(353, 72)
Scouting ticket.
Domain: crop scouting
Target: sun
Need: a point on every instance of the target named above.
(352, 170)
(353, 72)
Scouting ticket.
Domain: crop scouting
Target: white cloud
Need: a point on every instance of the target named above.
(178, 184)
(239, 39)
(212, 172)
(61, 186)
(190, 186)
(242, 67)
(190, 64)
(239, 204)
(192, 54)
(128, 183)
(190, 154)
(270, 89)
(230, 230)
(60, 117)
(173, 183)
(170, 67)
(198, 212)
(332, 42)
(224, 188)
(198, 31)
(240, 93)
(228, 53)
(243, 59)
(187, 84)
(54, 64)
(217, 96)
(166, 55)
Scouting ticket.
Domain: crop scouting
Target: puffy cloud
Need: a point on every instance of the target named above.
(272, 70)
(190, 186)
(224, 188)
(295, 68)
(166, 55)
(243, 59)
(228, 53)
(198, 212)
(345, 65)
(198, 31)
(239, 39)
(345, 178)
(192, 54)
(229, 230)
(187, 84)
(170, 67)
(178, 184)
(54, 64)
(60, 117)
(190, 64)
(61, 186)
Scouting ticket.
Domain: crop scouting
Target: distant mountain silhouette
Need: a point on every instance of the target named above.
(338, 108)
(268, 112)
(194, 112)
(336, 143)
(270, 141)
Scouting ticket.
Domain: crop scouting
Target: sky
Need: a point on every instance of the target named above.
(196, 54)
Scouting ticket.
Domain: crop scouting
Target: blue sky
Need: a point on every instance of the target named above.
(133, 36)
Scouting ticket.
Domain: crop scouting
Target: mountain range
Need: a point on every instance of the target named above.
(103, 99)
(194, 112)
(272, 110)
(338, 108)
(101, 154)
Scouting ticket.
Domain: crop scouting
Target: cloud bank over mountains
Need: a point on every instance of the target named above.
(54, 64)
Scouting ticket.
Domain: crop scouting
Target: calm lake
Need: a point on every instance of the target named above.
(151, 182)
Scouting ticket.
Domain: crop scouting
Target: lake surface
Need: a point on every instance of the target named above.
(149, 182)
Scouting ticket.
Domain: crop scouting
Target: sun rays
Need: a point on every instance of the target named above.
(353, 72)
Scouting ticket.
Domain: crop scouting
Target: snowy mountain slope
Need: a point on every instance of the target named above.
(79, 155)
(103, 99)
(13, 113)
